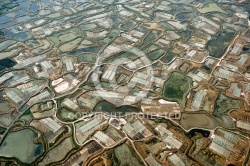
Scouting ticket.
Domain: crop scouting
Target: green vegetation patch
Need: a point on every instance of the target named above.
(59, 152)
(206, 158)
(63, 37)
(2, 130)
(152, 36)
(123, 79)
(125, 156)
(181, 1)
(155, 54)
(66, 115)
(5, 107)
(67, 37)
(87, 58)
(166, 26)
(212, 7)
(26, 117)
(128, 25)
(6, 5)
(105, 106)
(224, 104)
(218, 44)
(185, 16)
(5, 120)
(184, 67)
(176, 88)
(113, 33)
(123, 57)
(69, 46)
(195, 39)
(225, 121)
(86, 27)
(87, 49)
(168, 58)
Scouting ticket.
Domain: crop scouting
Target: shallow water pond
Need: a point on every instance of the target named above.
(20, 144)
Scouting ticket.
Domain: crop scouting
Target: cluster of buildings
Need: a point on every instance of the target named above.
(88, 150)
(161, 108)
(241, 119)
(226, 74)
(198, 99)
(6, 76)
(147, 19)
(87, 100)
(30, 61)
(14, 78)
(64, 84)
(70, 104)
(170, 147)
(49, 127)
(85, 129)
(44, 95)
(109, 137)
(49, 28)
(22, 93)
(207, 25)
(198, 76)
(169, 138)
(136, 130)
(228, 145)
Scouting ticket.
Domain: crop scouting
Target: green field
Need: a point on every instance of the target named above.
(212, 7)
(125, 156)
(176, 88)
(152, 36)
(168, 58)
(155, 54)
(66, 115)
(128, 25)
(69, 46)
(225, 121)
(105, 106)
(59, 38)
(218, 44)
(223, 104)
(87, 58)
